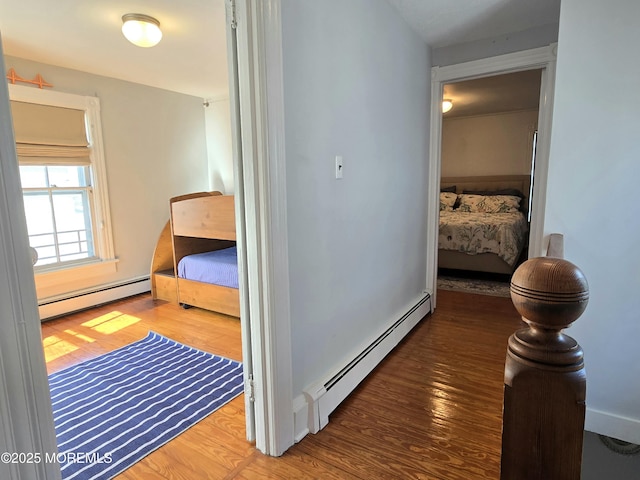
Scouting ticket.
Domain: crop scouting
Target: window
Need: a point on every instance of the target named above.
(59, 147)
(534, 146)
(58, 210)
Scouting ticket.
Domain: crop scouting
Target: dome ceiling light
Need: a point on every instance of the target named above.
(141, 30)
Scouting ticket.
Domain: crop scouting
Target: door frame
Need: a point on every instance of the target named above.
(262, 181)
(26, 416)
(241, 227)
(543, 58)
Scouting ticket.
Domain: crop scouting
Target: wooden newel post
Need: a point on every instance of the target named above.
(544, 381)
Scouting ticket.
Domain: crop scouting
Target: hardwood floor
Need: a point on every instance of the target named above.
(431, 410)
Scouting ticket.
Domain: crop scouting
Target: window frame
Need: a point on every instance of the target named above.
(51, 191)
(104, 261)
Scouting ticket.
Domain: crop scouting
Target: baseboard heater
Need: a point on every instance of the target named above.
(62, 305)
(325, 396)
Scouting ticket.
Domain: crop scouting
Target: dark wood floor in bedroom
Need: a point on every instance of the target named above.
(431, 410)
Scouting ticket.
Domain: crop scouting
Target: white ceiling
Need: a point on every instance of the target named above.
(86, 35)
(500, 93)
(191, 58)
(449, 22)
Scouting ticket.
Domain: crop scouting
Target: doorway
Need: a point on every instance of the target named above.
(487, 145)
(541, 58)
(28, 412)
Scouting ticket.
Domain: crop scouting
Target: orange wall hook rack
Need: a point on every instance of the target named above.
(13, 77)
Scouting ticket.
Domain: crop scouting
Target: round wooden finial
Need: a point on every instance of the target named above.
(549, 292)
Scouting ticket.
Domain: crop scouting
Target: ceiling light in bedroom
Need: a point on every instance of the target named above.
(446, 105)
(141, 30)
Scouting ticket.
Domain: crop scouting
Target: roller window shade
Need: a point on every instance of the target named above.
(49, 135)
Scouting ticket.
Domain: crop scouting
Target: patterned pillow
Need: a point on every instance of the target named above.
(447, 201)
(489, 203)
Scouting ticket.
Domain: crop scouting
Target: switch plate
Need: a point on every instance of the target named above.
(339, 167)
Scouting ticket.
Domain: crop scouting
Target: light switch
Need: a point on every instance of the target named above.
(339, 166)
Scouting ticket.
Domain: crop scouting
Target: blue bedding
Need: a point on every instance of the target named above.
(219, 267)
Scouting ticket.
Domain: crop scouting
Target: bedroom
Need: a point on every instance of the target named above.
(181, 140)
(487, 153)
(156, 144)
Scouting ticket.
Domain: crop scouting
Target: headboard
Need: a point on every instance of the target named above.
(202, 222)
(204, 215)
(491, 183)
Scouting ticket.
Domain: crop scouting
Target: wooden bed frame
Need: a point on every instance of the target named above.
(484, 262)
(199, 222)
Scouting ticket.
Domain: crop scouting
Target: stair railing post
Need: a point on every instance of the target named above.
(545, 381)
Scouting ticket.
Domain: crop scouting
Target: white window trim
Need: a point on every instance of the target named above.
(106, 261)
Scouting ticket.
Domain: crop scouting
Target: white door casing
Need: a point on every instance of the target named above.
(543, 58)
(262, 150)
(26, 416)
(241, 229)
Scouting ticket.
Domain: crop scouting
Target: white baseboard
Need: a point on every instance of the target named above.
(324, 396)
(622, 428)
(300, 418)
(49, 308)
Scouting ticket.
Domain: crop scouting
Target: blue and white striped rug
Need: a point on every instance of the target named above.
(113, 410)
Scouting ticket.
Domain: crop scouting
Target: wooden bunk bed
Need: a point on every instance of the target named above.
(484, 185)
(199, 223)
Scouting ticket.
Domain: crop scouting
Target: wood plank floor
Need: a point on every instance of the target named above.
(431, 410)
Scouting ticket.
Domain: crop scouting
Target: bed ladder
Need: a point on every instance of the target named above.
(544, 380)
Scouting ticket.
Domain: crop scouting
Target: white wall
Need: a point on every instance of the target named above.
(155, 148)
(356, 84)
(498, 144)
(591, 198)
(219, 148)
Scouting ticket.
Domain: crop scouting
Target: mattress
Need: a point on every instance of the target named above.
(501, 233)
(219, 267)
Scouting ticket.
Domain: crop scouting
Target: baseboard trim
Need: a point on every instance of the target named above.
(604, 423)
(54, 307)
(324, 396)
(300, 417)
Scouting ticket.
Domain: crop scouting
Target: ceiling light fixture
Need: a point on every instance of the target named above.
(446, 105)
(141, 30)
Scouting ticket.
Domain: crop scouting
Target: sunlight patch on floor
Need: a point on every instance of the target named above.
(55, 347)
(80, 336)
(111, 322)
(116, 324)
(101, 319)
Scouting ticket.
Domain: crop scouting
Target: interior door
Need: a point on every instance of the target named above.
(241, 240)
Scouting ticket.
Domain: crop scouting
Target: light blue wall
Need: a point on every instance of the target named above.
(591, 197)
(356, 84)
